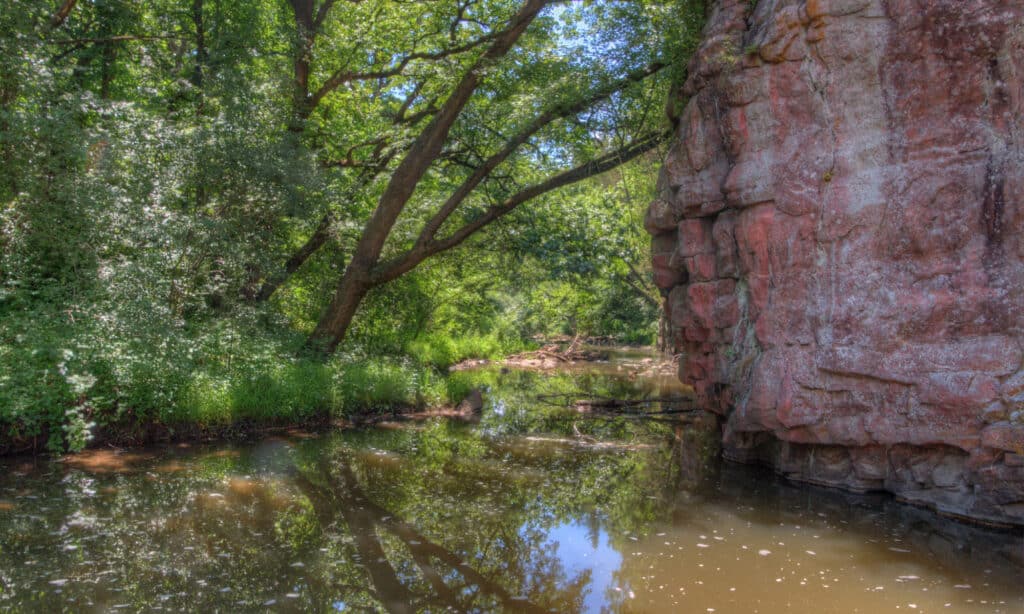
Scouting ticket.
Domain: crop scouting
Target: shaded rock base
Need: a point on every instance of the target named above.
(939, 478)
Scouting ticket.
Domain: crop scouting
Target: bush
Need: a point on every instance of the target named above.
(64, 374)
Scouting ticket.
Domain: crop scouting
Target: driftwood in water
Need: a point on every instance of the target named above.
(590, 442)
(617, 406)
(574, 352)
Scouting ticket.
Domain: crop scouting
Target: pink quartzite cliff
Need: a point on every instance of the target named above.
(840, 237)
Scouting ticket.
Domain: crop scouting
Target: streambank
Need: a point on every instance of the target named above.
(317, 398)
(514, 511)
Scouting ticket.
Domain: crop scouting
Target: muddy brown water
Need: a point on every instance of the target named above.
(533, 508)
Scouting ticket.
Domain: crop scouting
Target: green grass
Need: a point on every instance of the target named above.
(442, 350)
(293, 392)
(72, 381)
(307, 389)
(130, 372)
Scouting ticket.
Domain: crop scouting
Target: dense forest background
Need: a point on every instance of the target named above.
(215, 211)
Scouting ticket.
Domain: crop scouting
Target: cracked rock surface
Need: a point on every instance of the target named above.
(840, 239)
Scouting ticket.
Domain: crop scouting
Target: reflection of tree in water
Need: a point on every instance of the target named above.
(426, 519)
(150, 537)
(445, 579)
(443, 518)
(436, 517)
(492, 505)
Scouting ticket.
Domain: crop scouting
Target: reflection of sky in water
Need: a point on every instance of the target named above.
(578, 551)
(236, 527)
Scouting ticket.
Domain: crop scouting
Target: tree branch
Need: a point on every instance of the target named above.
(321, 14)
(349, 161)
(558, 112)
(430, 141)
(117, 39)
(62, 13)
(341, 76)
(398, 266)
(639, 287)
(320, 235)
(354, 282)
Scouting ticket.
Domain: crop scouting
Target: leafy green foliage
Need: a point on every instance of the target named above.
(160, 166)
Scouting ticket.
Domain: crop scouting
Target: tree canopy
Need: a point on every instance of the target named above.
(178, 169)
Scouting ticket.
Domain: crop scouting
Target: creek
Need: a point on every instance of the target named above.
(532, 507)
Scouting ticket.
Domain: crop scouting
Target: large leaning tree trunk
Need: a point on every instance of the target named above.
(358, 280)
(355, 282)
(309, 19)
(403, 162)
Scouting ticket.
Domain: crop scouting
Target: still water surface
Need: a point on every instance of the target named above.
(533, 508)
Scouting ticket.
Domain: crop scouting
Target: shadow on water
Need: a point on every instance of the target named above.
(535, 508)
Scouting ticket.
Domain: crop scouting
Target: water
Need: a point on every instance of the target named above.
(533, 508)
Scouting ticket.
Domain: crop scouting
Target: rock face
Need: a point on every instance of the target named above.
(840, 238)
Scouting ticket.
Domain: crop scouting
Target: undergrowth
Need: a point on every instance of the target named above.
(65, 376)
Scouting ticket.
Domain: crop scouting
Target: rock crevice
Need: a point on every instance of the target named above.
(838, 236)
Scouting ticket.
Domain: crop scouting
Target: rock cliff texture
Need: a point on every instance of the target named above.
(840, 238)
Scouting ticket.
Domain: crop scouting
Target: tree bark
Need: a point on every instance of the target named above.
(9, 88)
(662, 331)
(62, 13)
(108, 58)
(305, 29)
(197, 82)
(201, 53)
(334, 322)
(312, 244)
(333, 325)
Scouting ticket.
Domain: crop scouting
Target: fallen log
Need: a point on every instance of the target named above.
(573, 399)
